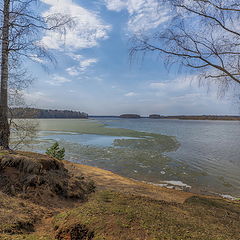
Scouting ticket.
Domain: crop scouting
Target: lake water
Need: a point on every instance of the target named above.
(201, 156)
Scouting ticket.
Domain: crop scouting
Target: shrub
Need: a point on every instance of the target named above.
(56, 151)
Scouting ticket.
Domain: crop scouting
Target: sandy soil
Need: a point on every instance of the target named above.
(107, 180)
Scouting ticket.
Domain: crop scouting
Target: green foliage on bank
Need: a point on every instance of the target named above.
(56, 152)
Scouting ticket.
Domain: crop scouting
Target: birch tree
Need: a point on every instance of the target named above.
(21, 29)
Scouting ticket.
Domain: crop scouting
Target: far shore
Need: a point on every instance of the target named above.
(34, 113)
(180, 117)
(196, 118)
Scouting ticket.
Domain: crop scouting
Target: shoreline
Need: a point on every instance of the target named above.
(102, 130)
(107, 180)
(61, 202)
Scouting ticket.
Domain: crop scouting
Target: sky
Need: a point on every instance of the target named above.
(94, 73)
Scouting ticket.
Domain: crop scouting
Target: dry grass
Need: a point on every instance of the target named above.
(23, 164)
(40, 178)
(19, 216)
(110, 215)
(27, 162)
(106, 180)
(117, 216)
(38, 205)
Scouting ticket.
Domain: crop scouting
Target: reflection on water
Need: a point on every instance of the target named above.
(208, 158)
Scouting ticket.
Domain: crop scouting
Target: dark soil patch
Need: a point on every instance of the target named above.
(75, 232)
(41, 179)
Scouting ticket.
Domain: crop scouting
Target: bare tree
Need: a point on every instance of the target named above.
(20, 34)
(23, 130)
(202, 35)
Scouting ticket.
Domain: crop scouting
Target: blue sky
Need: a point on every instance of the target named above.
(93, 72)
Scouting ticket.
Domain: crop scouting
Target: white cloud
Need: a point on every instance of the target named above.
(98, 79)
(144, 15)
(88, 29)
(183, 95)
(36, 97)
(57, 80)
(76, 57)
(87, 63)
(157, 85)
(84, 64)
(72, 91)
(116, 5)
(176, 85)
(130, 94)
(73, 71)
(35, 58)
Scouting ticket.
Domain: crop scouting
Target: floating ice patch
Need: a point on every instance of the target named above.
(177, 183)
(228, 197)
(161, 185)
(143, 166)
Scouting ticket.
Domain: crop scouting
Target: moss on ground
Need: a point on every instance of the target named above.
(25, 237)
(18, 216)
(112, 215)
(108, 215)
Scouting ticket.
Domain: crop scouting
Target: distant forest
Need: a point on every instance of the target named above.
(202, 117)
(44, 113)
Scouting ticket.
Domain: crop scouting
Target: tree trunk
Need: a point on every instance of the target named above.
(4, 124)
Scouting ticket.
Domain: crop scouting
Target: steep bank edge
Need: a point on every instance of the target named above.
(107, 180)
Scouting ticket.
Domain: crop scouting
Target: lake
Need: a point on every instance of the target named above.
(198, 156)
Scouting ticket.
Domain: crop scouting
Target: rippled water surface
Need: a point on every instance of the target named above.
(202, 154)
(212, 147)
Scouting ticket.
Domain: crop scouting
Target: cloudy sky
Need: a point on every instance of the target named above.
(93, 72)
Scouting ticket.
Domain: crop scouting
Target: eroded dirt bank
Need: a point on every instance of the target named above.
(107, 180)
(43, 198)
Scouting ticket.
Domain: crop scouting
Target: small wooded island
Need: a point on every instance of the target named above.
(155, 116)
(68, 114)
(185, 117)
(130, 116)
(197, 117)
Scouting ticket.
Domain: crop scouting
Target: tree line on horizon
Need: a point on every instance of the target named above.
(185, 117)
(45, 113)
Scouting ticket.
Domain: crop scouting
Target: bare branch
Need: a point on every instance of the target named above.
(203, 35)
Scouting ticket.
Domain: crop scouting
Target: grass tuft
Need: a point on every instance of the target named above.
(110, 215)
